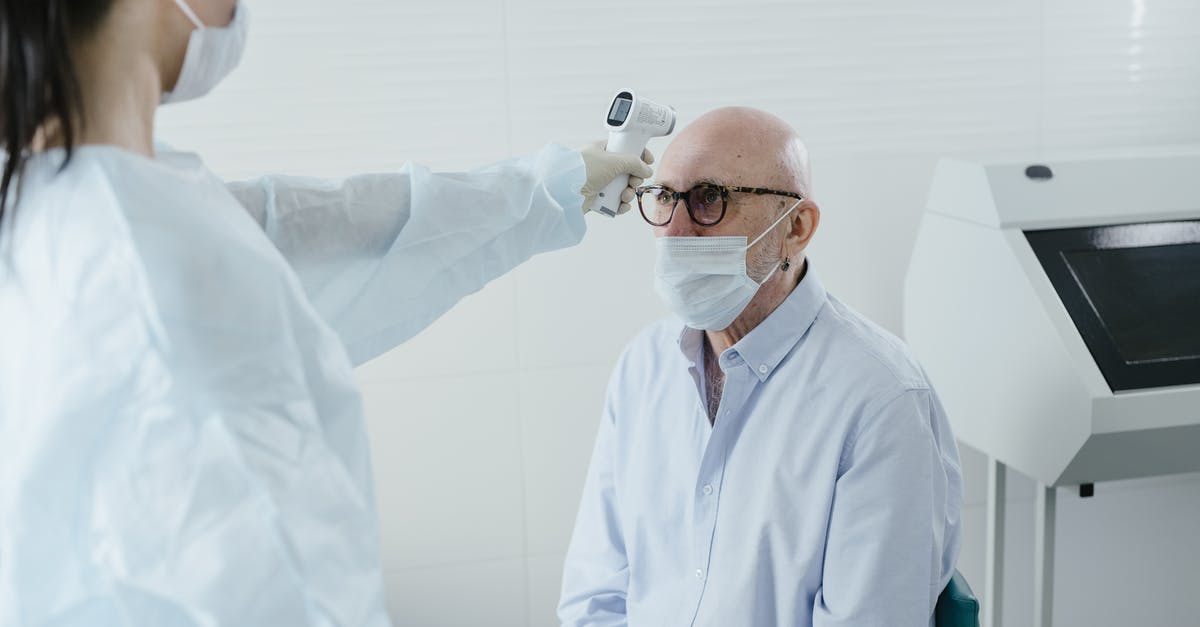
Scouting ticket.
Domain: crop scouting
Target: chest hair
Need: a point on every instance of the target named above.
(714, 383)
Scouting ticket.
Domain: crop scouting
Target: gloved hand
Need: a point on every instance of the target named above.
(602, 167)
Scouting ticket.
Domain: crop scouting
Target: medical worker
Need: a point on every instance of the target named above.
(181, 440)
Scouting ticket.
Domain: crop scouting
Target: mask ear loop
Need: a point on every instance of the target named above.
(786, 264)
(774, 224)
(191, 15)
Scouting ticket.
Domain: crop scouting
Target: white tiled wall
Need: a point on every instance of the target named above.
(482, 425)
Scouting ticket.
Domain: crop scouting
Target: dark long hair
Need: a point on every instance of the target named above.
(38, 82)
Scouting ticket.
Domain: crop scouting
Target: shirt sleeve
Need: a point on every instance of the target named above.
(596, 573)
(888, 528)
(381, 256)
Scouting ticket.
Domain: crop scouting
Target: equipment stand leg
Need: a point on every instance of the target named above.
(993, 599)
(1043, 546)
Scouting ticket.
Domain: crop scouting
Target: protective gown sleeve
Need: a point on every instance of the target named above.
(381, 256)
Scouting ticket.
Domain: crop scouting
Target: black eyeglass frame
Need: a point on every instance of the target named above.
(725, 190)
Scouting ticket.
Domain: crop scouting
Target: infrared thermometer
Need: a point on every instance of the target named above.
(632, 121)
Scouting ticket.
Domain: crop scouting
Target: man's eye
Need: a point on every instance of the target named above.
(663, 198)
(711, 196)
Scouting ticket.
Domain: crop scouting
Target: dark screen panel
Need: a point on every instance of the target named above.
(1148, 299)
(1133, 292)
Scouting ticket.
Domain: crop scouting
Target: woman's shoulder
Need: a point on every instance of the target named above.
(148, 236)
(64, 225)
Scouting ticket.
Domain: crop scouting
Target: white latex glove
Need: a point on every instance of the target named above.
(602, 167)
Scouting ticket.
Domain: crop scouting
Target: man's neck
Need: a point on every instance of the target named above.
(769, 297)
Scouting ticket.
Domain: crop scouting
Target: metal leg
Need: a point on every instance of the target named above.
(997, 492)
(1043, 546)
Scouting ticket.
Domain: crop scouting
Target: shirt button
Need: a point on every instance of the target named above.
(707, 489)
(763, 369)
(699, 573)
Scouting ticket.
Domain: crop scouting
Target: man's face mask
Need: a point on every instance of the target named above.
(704, 281)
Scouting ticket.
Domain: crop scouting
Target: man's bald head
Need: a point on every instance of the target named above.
(737, 146)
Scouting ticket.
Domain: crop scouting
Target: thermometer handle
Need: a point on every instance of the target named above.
(609, 199)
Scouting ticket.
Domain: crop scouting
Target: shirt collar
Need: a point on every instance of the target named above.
(767, 344)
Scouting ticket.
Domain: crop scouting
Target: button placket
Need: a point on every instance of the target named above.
(739, 383)
(706, 505)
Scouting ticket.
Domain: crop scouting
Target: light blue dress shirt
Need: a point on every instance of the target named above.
(827, 493)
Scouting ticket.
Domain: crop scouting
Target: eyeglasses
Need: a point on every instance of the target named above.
(706, 203)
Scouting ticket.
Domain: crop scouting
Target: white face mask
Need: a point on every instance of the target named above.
(703, 280)
(212, 53)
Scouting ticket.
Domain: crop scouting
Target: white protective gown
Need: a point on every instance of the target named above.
(181, 439)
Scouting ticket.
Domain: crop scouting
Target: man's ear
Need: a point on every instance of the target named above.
(804, 225)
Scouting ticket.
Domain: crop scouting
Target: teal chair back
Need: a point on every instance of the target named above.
(957, 605)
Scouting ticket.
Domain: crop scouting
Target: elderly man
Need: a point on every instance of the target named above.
(772, 457)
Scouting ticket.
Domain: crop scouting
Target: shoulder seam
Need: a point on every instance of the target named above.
(871, 411)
